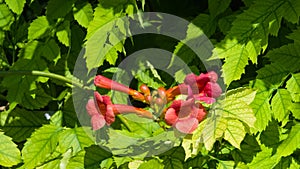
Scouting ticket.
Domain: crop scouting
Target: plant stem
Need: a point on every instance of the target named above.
(45, 74)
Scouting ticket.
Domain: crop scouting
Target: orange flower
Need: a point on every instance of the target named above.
(106, 83)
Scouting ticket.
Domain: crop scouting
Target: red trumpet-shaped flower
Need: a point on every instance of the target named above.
(102, 111)
(106, 83)
(202, 87)
(185, 115)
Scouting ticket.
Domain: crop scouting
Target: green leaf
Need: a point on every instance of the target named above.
(217, 7)
(242, 93)
(295, 109)
(295, 36)
(249, 148)
(234, 133)
(289, 145)
(38, 27)
(293, 86)
(101, 17)
(151, 164)
(51, 164)
(270, 136)
(9, 153)
(260, 161)
(77, 139)
(209, 131)
(180, 76)
(94, 155)
(77, 161)
(40, 145)
(16, 5)
(236, 58)
(261, 109)
(83, 13)
(272, 74)
(294, 164)
(51, 51)
(63, 33)
(58, 9)
(6, 17)
(287, 56)
(206, 22)
(280, 104)
(225, 164)
(21, 123)
(121, 160)
(173, 158)
(233, 108)
(36, 98)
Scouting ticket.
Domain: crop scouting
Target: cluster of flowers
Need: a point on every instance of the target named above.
(183, 115)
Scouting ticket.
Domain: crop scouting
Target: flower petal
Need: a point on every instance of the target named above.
(97, 121)
(212, 90)
(171, 117)
(187, 125)
(109, 115)
(91, 107)
(208, 100)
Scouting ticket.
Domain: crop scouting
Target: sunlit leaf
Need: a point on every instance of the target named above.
(38, 27)
(280, 104)
(9, 153)
(40, 145)
(289, 145)
(83, 13)
(16, 5)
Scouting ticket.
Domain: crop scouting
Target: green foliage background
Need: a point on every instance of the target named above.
(255, 124)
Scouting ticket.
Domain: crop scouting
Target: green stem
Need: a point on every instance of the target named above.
(45, 74)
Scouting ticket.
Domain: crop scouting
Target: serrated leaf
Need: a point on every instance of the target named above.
(272, 74)
(83, 13)
(231, 108)
(234, 133)
(260, 161)
(280, 104)
(36, 98)
(235, 64)
(77, 139)
(249, 148)
(173, 158)
(63, 33)
(21, 123)
(295, 109)
(287, 56)
(207, 23)
(294, 165)
(9, 153)
(6, 17)
(270, 136)
(40, 145)
(262, 110)
(209, 131)
(242, 93)
(289, 145)
(51, 51)
(77, 161)
(180, 76)
(51, 164)
(293, 86)
(38, 27)
(58, 9)
(151, 164)
(225, 164)
(101, 17)
(295, 35)
(94, 155)
(16, 5)
(216, 7)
